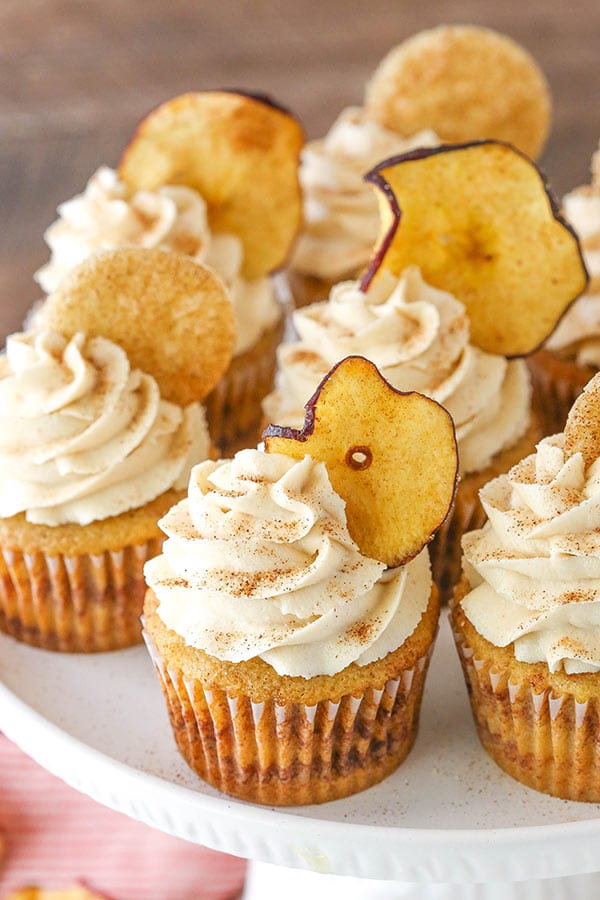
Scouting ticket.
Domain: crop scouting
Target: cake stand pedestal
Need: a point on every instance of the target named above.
(268, 882)
(447, 825)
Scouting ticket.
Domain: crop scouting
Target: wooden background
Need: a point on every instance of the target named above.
(77, 75)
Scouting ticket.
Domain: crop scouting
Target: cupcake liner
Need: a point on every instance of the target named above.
(85, 603)
(445, 550)
(556, 384)
(467, 513)
(543, 737)
(233, 408)
(290, 753)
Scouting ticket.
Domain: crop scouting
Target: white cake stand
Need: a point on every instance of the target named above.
(447, 824)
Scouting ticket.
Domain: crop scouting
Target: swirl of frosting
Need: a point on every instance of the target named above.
(534, 568)
(258, 562)
(579, 329)
(82, 436)
(418, 337)
(340, 209)
(174, 217)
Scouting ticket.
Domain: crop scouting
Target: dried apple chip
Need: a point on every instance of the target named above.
(390, 455)
(241, 153)
(466, 83)
(480, 222)
(171, 315)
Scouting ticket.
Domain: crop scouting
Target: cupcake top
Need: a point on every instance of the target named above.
(258, 562)
(534, 569)
(418, 337)
(341, 219)
(83, 435)
(108, 215)
(579, 330)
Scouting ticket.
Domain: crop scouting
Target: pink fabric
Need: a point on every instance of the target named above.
(57, 837)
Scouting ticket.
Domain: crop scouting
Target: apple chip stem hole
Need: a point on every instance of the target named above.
(359, 458)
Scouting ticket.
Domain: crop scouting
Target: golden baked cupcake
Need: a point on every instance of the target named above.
(452, 341)
(100, 424)
(291, 614)
(571, 356)
(453, 83)
(212, 175)
(526, 614)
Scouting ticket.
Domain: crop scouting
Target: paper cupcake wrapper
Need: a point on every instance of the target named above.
(290, 753)
(556, 384)
(85, 603)
(445, 550)
(545, 739)
(233, 408)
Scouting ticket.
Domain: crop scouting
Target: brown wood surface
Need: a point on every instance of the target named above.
(77, 75)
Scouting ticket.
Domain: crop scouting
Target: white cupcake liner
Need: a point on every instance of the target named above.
(546, 739)
(83, 603)
(233, 407)
(292, 753)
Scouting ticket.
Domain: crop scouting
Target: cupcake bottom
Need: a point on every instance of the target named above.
(284, 740)
(557, 381)
(76, 588)
(467, 512)
(542, 728)
(233, 408)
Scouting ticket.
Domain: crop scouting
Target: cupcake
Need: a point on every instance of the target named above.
(168, 193)
(438, 318)
(418, 337)
(448, 84)
(100, 424)
(291, 630)
(526, 614)
(571, 356)
(341, 219)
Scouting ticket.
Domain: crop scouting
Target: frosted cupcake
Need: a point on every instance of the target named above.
(291, 657)
(453, 292)
(571, 356)
(418, 337)
(527, 615)
(140, 207)
(452, 83)
(94, 449)
(341, 217)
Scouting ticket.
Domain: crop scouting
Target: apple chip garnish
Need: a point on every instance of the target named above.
(390, 455)
(582, 428)
(466, 83)
(171, 315)
(241, 153)
(481, 223)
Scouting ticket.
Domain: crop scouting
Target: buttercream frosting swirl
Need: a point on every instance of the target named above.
(341, 215)
(418, 337)
(83, 436)
(258, 562)
(534, 567)
(578, 332)
(173, 217)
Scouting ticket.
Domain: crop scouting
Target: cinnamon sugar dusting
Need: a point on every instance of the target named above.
(276, 574)
(535, 566)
